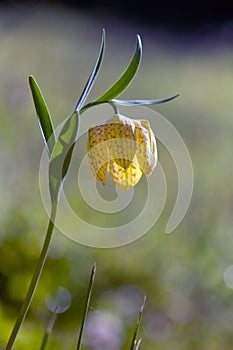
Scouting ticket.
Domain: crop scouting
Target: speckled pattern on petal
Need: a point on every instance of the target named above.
(124, 178)
(124, 147)
(98, 153)
(146, 150)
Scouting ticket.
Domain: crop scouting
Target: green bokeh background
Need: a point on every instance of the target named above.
(189, 305)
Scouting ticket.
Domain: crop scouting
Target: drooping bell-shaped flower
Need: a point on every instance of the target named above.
(124, 147)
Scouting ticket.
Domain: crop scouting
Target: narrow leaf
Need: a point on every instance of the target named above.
(44, 118)
(93, 75)
(62, 153)
(135, 344)
(87, 303)
(129, 103)
(123, 82)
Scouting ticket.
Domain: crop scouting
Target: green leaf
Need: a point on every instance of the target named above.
(44, 118)
(135, 344)
(123, 82)
(86, 308)
(93, 75)
(62, 154)
(129, 103)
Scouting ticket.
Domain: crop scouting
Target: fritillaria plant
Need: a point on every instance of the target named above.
(123, 147)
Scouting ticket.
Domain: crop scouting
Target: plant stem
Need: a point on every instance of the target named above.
(35, 279)
(49, 329)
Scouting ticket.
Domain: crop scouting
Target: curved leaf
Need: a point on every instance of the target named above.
(62, 154)
(44, 118)
(123, 82)
(93, 75)
(129, 103)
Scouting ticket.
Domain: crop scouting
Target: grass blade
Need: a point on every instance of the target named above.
(44, 118)
(87, 303)
(123, 82)
(93, 75)
(135, 344)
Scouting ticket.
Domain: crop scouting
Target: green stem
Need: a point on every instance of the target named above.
(35, 279)
(49, 329)
(45, 341)
(114, 106)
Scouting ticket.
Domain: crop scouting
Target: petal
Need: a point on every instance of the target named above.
(97, 153)
(121, 140)
(101, 174)
(146, 149)
(124, 178)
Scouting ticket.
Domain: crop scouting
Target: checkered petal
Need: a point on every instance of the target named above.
(125, 178)
(146, 149)
(121, 140)
(98, 153)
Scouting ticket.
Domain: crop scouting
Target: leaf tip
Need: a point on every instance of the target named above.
(139, 43)
(31, 79)
(175, 96)
(143, 305)
(93, 271)
(139, 39)
(103, 38)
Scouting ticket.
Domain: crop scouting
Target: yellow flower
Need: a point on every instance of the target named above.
(125, 148)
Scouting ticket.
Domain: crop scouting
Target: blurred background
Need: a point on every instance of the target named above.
(187, 275)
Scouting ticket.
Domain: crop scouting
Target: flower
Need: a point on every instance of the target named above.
(124, 147)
